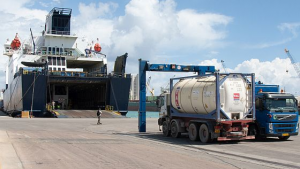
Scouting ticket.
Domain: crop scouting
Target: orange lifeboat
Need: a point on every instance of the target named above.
(15, 44)
(97, 47)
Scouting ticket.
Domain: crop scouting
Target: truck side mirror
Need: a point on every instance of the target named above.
(158, 102)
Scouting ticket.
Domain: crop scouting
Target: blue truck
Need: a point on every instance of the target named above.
(276, 113)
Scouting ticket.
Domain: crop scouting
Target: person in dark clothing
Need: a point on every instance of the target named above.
(99, 112)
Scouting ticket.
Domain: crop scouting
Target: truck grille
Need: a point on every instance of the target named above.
(285, 117)
(284, 130)
(284, 125)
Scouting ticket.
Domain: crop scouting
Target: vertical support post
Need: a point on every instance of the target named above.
(218, 96)
(142, 86)
(253, 95)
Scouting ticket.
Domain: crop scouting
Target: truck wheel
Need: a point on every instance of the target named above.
(175, 130)
(204, 134)
(258, 136)
(252, 131)
(283, 137)
(165, 129)
(193, 132)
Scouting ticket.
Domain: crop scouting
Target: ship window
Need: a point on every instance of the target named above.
(60, 90)
(49, 50)
(60, 25)
(63, 61)
(57, 51)
(54, 60)
(50, 60)
(58, 61)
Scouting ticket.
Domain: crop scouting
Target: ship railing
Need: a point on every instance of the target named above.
(64, 11)
(55, 32)
(66, 53)
(93, 54)
(74, 74)
(85, 74)
(10, 52)
(29, 71)
(68, 73)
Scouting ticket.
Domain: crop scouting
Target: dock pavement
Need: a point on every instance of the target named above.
(71, 143)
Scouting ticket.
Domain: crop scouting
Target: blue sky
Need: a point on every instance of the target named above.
(180, 31)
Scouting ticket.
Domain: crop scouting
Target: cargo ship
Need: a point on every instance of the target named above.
(50, 71)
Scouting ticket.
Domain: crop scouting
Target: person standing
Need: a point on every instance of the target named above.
(99, 112)
(53, 105)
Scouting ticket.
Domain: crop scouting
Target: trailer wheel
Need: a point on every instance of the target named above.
(165, 128)
(204, 134)
(193, 132)
(283, 137)
(175, 130)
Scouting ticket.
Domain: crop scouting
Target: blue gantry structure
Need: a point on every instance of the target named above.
(145, 66)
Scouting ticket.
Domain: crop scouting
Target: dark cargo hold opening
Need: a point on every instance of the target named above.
(83, 96)
(87, 96)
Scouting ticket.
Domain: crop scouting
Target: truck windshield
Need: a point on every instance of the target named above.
(281, 104)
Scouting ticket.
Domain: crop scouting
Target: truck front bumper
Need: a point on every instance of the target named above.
(281, 134)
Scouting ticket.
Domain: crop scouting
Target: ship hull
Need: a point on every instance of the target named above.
(27, 92)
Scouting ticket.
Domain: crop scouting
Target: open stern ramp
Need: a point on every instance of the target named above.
(86, 114)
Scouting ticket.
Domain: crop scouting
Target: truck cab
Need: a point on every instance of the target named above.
(276, 115)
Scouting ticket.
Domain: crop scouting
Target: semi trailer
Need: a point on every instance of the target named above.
(209, 107)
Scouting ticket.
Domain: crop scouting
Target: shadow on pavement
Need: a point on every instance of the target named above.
(184, 139)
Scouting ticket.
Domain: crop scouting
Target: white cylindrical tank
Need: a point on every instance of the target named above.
(198, 96)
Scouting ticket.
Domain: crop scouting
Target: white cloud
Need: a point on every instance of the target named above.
(56, 1)
(94, 11)
(18, 9)
(273, 72)
(292, 28)
(52, 3)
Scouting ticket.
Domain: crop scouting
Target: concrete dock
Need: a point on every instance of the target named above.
(69, 143)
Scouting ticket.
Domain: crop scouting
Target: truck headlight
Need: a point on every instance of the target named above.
(270, 127)
(297, 127)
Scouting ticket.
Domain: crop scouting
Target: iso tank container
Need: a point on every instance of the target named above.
(198, 96)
